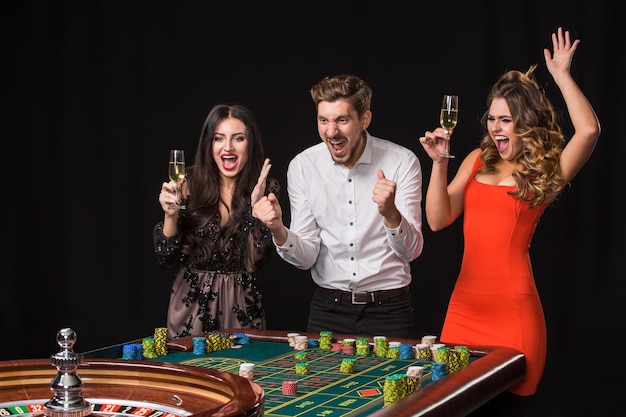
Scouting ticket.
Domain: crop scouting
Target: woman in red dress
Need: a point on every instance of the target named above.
(502, 188)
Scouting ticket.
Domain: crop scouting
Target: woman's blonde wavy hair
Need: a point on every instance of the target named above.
(542, 139)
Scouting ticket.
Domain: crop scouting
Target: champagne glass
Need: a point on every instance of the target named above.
(448, 117)
(176, 172)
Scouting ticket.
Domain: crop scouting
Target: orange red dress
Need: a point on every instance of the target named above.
(495, 301)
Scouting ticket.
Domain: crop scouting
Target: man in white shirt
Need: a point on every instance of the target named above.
(356, 218)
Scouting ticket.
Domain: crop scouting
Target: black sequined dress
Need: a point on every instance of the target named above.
(216, 287)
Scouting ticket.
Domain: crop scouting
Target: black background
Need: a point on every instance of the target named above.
(99, 91)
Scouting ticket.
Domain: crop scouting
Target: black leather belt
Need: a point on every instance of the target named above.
(364, 297)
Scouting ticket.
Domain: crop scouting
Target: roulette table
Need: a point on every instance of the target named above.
(71, 385)
(183, 383)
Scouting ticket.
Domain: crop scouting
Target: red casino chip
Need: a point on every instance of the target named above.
(290, 387)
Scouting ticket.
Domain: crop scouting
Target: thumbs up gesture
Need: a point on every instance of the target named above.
(384, 195)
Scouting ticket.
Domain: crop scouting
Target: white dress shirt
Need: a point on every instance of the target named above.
(336, 229)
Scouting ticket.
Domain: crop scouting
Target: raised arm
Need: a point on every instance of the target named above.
(582, 115)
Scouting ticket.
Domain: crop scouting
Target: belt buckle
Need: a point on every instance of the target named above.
(354, 300)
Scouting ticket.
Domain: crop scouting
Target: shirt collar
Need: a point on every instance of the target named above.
(367, 155)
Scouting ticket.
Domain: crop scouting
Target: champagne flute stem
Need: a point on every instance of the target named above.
(446, 153)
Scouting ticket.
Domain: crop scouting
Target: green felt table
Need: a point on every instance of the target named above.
(323, 391)
(326, 391)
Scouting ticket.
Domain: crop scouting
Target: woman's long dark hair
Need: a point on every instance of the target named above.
(203, 179)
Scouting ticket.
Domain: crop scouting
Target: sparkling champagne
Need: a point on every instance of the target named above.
(448, 118)
(176, 171)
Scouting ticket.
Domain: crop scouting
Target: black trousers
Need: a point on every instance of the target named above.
(392, 318)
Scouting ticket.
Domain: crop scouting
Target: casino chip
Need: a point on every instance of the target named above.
(148, 348)
(290, 387)
(302, 368)
(160, 341)
(347, 366)
(246, 370)
(326, 339)
(394, 389)
(199, 345)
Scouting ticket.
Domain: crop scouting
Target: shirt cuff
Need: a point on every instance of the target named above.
(397, 233)
(289, 243)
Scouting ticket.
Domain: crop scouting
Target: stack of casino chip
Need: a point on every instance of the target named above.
(438, 370)
(290, 387)
(160, 341)
(362, 346)
(347, 366)
(464, 354)
(423, 352)
(415, 372)
(291, 337)
(433, 349)
(393, 350)
(148, 348)
(381, 344)
(199, 345)
(335, 347)
(301, 356)
(395, 388)
(442, 355)
(246, 370)
(412, 385)
(129, 351)
(241, 338)
(348, 346)
(217, 341)
(454, 361)
(429, 340)
(301, 343)
(302, 368)
(326, 339)
(406, 351)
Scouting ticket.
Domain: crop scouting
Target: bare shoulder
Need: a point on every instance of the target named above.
(470, 159)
